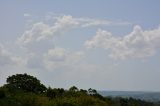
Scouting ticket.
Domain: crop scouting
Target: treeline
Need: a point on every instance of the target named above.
(26, 90)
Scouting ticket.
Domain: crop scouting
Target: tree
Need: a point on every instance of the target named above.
(73, 89)
(51, 93)
(26, 82)
(56, 92)
(83, 91)
(92, 91)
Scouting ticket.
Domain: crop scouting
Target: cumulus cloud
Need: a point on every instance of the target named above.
(54, 58)
(56, 54)
(38, 40)
(60, 57)
(137, 44)
(41, 30)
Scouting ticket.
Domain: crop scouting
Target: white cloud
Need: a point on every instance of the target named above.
(89, 22)
(137, 44)
(60, 57)
(56, 54)
(39, 43)
(55, 58)
(26, 15)
(41, 30)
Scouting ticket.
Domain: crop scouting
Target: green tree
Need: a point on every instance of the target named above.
(56, 92)
(92, 91)
(73, 89)
(25, 82)
(83, 91)
(51, 93)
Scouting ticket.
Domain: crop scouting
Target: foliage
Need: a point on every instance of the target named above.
(73, 89)
(56, 92)
(14, 94)
(2, 93)
(25, 82)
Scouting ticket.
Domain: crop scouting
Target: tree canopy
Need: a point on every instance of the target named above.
(28, 91)
(25, 82)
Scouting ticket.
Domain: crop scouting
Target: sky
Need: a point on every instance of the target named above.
(100, 44)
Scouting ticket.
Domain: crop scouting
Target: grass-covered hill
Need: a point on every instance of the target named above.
(26, 90)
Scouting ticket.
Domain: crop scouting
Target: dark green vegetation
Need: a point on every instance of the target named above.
(26, 90)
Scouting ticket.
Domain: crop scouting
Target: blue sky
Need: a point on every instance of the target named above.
(106, 45)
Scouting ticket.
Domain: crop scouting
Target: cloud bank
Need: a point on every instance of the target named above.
(137, 44)
(41, 31)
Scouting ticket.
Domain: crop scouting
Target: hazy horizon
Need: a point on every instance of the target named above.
(106, 45)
